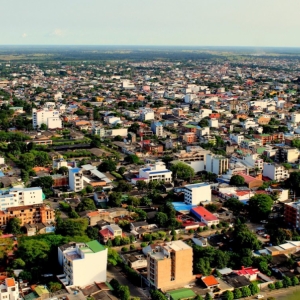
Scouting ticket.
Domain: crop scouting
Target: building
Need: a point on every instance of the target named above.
(50, 117)
(295, 118)
(157, 128)
(83, 263)
(292, 214)
(197, 193)
(9, 289)
(189, 137)
(216, 164)
(29, 214)
(147, 114)
(155, 172)
(236, 138)
(170, 265)
(20, 196)
(268, 138)
(249, 272)
(287, 154)
(75, 179)
(109, 232)
(275, 172)
(205, 216)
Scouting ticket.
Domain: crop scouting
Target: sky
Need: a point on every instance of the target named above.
(256, 23)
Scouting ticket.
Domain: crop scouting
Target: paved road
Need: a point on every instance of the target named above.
(115, 272)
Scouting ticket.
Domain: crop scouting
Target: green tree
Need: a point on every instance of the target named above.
(198, 297)
(132, 159)
(286, 281)
(89, 189)
(54, 286)
(113, 257)
(271, 286)
(237, 180)
(107, 166)
(278, 285)
(293, 182)
(259, 206)
(25, 275)
(228, 295)
(121, 170)
(43, 126)
(115, 199)
(245, 291)
(295, 280)
(254, 288)
(92, 233)
(86, 204)
(63, 170)
(13, 226)
(161, 219)
(72, 227)
(235, 205)
(203, 267)
(237, 294)
(208, 296)
(182, 171)
(141, 185)
(124, 292)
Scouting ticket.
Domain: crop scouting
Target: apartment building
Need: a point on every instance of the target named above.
(236, 138)
(292, 214)
(275, 172)
(157, 129)
(9, 289)
(253, 161)
(50, 117)
(268, 138)
(146, 114)
(20, 196)
(295, 118)
(197, 193)
(287, 154)
(155, 172)
(189, 137)
(75, 179)
(83, 263)
(170, 265)
(29, 214)
(216, 164)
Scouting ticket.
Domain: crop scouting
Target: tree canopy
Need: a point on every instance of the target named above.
(182, 171)
(259, 206)
(237, 180)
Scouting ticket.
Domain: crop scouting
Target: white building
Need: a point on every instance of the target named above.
(275, 172)
(157, 128)
(216, 164)
(75, 179)
(236, 138)
(128, 85)
(249, 123)
(155, 172)
(188, 98)
(20, 196)
(83, 263)
(253, 161)
(146, 114)
(213, 123)
(295, 118)
(9, 289)
(50, 117)
(197, 193)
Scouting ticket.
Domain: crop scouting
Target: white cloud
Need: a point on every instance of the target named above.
(57, 32)
(24, 35)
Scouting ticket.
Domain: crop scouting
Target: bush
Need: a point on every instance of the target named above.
(213, 226)
(271, 286)
(124, 249)
(278, 285)
(132, 247)
(143, 244)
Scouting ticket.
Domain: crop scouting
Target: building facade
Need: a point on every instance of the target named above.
(75, 179)
(197, 193)
(216, 164)
(156, 172)
(9, 289)
(275, 172)
(50, 117)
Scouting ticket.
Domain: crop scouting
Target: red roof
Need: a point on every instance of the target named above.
(247, 271)
(10, 282)
(204, 213)
(210, 280)
(106, 233)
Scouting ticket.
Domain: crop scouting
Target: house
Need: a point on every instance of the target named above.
(249, 272)
(154, 172)
(135, 260)
(205, 216)
(9, 289)
(109, 232)
(210, 282)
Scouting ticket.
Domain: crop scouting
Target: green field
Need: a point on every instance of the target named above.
(293, 296)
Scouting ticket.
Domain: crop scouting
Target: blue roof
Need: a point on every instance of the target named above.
(1, 174)
(75, 170)
(181, 206)
(159, 172)
(196, 185)
(146, 169)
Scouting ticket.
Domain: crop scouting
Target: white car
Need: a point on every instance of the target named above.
(259, 296)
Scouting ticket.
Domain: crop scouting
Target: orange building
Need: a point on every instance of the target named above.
(268, 138)
(190, 137)
(28, 214)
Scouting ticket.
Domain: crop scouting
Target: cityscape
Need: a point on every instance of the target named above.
(149, 159)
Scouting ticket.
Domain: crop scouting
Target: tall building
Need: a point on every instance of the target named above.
(170, 265)
(292, 214)
(75, 179)
(9, 289)
(275, 172)
(146, 114)
(20, 196)
(157, 128)
(50, 117)
(197, 193)
(155, 172)
(83, 263)
(216, 164)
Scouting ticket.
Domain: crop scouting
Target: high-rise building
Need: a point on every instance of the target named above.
(197, 193)
(83, 263)
(216, 164)
(170, 265)
(75, 179)
(50, 117)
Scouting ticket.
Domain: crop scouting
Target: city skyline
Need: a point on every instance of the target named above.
(185, 23)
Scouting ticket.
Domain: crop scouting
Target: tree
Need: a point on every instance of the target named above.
(254, 288)
(141, 185)
(208, 296)
(92, 233)
(286, 281)
(107, 166)
(259, 206)
(14, 226)
(198, 297)
(124, 292)
(132, 159)
(115, 199)
(278, 285)
(203, 267)
(245, 291)
(157, 295)
(63, 170)
(43, 126)
(54, 286)
(113, 257)
(237, 180)
(121, 170)
(86, 204)
(45, 183)
(237, 294)
(18, 263)
(72, 227)
(295, 281)
(228, 295)
(235, 205)
(182, 171)
(271, 286)
(89, 189)
(161, 219)
(25, 275)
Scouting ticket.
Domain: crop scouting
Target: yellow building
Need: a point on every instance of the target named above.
(170, 265)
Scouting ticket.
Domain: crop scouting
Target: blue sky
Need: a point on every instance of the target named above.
(151, 22)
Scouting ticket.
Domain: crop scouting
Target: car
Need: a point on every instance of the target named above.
(259, 296)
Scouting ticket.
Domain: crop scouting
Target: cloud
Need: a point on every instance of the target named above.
(58, 32)
(24, 35)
